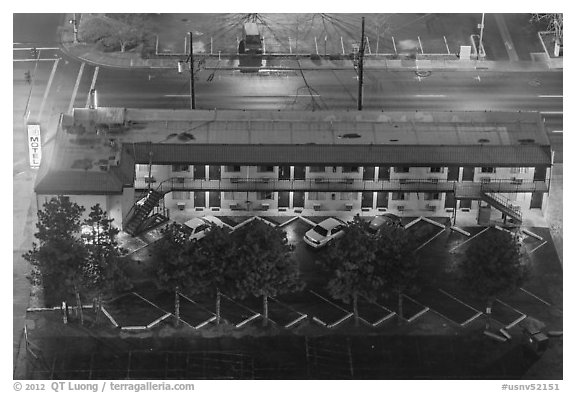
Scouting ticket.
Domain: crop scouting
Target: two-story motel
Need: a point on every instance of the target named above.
(411, 163)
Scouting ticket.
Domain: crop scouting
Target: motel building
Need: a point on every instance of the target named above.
(141, 164)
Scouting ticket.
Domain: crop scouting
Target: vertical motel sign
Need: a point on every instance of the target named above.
(34, 147)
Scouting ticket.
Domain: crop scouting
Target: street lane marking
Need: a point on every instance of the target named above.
(558, 131)
(430, 95)
(550, 96)
(75, 91)
(48, 88)
(35, 48)
(92, 86)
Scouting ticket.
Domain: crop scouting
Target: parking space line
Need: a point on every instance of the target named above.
(516, 321)
(50, 80)
(92, 86)
(429, 240)
(418, 314)
(530, 252)
(76, 85)
(328, 301)
(109, 316)
(471, 318)
(307, 221)
(535, 297)
(476, 235)
(458, 300)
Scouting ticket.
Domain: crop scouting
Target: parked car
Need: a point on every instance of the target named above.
(325, 232)
(200, 226)
(385, 219)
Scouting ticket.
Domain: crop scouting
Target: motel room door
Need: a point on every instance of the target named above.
(368, 199)
(283, 198)
(214, 199)
(298, 199)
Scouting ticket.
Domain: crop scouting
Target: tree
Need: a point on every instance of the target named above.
(400, 263)
(357, 271)
(554, 25)
(58, 257)
(129, 31)
(493, 267)
(175, 268)
(216, 270)
(115, 31)
(102, 269)
(263, 260)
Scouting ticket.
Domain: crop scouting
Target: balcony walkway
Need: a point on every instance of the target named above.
(463, 190)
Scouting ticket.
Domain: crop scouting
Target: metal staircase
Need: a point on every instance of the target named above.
(503, 204)
(140, 212)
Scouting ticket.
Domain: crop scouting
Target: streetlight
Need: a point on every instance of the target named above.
(481, 27)
(190, 61)
(74, 23)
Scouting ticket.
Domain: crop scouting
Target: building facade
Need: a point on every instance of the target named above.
(408, 163)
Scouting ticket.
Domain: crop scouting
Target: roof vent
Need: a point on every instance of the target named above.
(483, 140)
(185, 136)
(349, 136)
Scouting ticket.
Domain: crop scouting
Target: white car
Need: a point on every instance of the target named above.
(325, 232)
(200, 226)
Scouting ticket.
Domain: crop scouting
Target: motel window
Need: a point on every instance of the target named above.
(436, 169)
(265, 169)
(180, 168)
(317, 169)
(519, 170)
(348, 169)
(401, 169)
(398, 196)
(347, 196)
(265, 195)
(233, 168)
(488, 169)
(178, 195)
(432, 196)
(234, 195)
(316, 196)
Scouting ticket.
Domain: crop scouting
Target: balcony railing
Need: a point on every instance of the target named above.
(343, 185)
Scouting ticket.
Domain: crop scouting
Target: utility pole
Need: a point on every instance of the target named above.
(191, 60)
(74, 23)
(480, 46)
(361, 69)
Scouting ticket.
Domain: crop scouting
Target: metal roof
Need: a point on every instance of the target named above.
(398, 155)
(95, 149)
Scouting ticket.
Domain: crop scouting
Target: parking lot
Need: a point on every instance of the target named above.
(438, 249)
(441, 307)
(322, 34)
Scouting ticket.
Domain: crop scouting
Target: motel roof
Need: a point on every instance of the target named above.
(95, 149)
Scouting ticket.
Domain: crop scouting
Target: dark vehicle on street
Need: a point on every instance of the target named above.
(251, 38)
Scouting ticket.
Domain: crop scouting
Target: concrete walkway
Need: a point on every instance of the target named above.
(24, 218)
